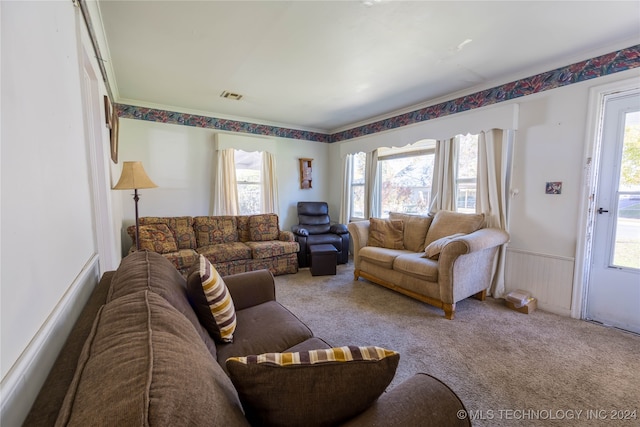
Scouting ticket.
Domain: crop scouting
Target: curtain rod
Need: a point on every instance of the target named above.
(96, 50)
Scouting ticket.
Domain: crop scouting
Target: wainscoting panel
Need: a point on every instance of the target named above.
(549, 278)
(20, 387)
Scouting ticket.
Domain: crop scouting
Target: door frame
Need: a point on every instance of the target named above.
(591, 171)
(98, 160)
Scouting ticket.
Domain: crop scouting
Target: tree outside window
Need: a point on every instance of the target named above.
(406, 181)
(357, 185)
(248, 180)
(466, 181)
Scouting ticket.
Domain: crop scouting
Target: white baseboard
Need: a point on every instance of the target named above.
(551, 308)
(21, 385)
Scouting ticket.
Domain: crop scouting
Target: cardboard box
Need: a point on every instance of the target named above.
(529, 307)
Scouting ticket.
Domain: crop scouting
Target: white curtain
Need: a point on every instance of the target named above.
(225, 189)
(445, 164)
(371, 205)
(495, 153)
(345, 201)
(269, 199)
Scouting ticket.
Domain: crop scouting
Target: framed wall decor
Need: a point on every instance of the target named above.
(111, 121)
(553, 187)
(114, 137)
(107, 111)
(305, 173)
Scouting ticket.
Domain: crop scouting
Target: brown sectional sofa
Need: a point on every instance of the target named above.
(233, 244)
(138, 356)
(460, 265)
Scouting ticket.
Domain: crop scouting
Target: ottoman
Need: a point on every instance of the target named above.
(323, 259)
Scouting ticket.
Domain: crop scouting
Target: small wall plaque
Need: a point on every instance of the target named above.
(305, 173)
(554, 187)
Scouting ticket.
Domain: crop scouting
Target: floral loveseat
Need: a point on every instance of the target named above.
(233, 244)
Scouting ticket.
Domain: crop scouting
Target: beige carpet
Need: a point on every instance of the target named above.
(508, 368)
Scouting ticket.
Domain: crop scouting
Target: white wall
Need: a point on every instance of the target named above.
(47, 234)
(550, 145)
(49, 260)
(179, 159)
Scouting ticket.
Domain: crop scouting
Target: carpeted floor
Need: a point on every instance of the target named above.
(508, 368)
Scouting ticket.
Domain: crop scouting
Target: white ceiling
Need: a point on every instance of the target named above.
(328, 65)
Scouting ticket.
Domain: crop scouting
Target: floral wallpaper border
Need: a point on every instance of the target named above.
(163, 116)
(621, 60)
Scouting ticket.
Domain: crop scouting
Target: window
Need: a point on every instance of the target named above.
(357, 185)
(248, 180)
(466, 181)
(405, 179)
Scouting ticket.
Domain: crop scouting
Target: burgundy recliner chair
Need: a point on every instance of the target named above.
(315, 228)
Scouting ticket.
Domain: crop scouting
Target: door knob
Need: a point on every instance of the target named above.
(601, 211)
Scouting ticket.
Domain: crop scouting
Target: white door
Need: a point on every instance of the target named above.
(613, 295)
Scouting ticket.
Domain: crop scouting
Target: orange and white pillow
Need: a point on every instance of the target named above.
(211, 300)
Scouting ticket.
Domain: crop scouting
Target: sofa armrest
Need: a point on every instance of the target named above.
(421, 400)
(251, 288)
(300, 231)
(338, 229)
(286, 236)
(465, 264)
(359, 231)
(479, 240)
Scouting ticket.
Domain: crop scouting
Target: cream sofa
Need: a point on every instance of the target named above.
(393, 253)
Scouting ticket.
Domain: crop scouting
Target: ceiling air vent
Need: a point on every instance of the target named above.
(231, 95)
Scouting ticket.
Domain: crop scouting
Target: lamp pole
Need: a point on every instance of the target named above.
(134, 177)
(136, 198)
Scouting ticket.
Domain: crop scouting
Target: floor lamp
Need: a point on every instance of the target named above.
(134, 178)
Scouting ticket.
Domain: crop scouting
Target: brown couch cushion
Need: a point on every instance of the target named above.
(264, 227)
(211, 300)
(415, 229)
(157, 238)
(446, 223)
(386, 233)
(144, 364)
(144, 270)
(212, 230)
(311, 388)
(264, 328)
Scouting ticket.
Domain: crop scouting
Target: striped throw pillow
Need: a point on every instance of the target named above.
(311, 388)
(338, 354)
(211, 300)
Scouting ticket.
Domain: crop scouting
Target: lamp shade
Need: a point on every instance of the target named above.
(133, 177)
